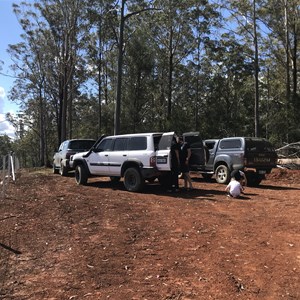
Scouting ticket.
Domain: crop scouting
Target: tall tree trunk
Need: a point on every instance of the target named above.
(288, 80)
(295, 56)
(120, 71)
(170, 75)
(99, 77)
(296, 97)
(256, 73)
(198, 97)
(41, 129)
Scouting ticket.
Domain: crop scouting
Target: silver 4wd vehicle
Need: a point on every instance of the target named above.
(256, 156)
(66, 149)
(134, 157)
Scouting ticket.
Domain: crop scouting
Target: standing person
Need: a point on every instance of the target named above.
(234, 188)
(185, 155)
(175, 164)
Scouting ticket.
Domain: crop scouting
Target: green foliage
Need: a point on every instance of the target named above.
(187, 66)
(6, 145)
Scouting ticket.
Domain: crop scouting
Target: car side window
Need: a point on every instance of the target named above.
(120, 144)
(231, 144)
(210, 145)
(166, 142)
(156, 140)
(137, 143)
(105, 145)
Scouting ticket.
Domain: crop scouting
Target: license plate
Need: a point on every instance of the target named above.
(261, 172)
(261, 159)
(161, 160)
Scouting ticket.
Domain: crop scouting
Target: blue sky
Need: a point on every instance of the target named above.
(10, 31)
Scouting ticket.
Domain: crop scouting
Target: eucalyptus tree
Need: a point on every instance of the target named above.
(49, 65)
(128, 10)
(101, 48)
(205, 20)
(67, 27)
(228, 88)
(137, 92)
(178, 34)
(244, 14)
(29, 58)
(5, 146)
(282, 19)
(173, 37)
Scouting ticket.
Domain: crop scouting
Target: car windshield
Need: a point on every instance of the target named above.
(84, 144)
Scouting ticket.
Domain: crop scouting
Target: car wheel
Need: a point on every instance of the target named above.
(253, 179)
(81, 175)
(63, 171)
(133, 180)
(55, 171)
(222, 174)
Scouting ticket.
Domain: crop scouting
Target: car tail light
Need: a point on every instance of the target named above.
(153, 161)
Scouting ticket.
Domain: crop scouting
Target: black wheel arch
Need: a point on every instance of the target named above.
(224, 163)
(81, 162)
(131, 164)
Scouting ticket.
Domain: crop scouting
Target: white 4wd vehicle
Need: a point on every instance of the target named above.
(136, 157)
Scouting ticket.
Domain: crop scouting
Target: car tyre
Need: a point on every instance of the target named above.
(81, 175)
(55, 171)
(133, 180)
(222, 174)
(63, 171)
(254, 179)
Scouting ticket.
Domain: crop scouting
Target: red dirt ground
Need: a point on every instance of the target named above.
(63, 241)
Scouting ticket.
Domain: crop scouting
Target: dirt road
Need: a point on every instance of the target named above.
(63, 241)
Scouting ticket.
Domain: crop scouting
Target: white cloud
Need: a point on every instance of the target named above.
(2, 92)
(6, 127)
(2, 95)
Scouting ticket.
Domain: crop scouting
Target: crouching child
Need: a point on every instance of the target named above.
(234, 188)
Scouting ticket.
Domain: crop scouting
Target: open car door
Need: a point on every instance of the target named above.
(198, 157)
(163, 154)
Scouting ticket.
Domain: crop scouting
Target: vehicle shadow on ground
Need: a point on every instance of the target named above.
(261, 186)
(156, 189)
(276, 187)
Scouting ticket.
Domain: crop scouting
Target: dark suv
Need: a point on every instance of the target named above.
(66, 149)
(256, 156)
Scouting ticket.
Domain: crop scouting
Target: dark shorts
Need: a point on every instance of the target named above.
(184, 168)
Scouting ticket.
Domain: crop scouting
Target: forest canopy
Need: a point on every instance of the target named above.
(90, 67)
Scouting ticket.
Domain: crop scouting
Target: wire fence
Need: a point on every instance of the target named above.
(9, 165)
